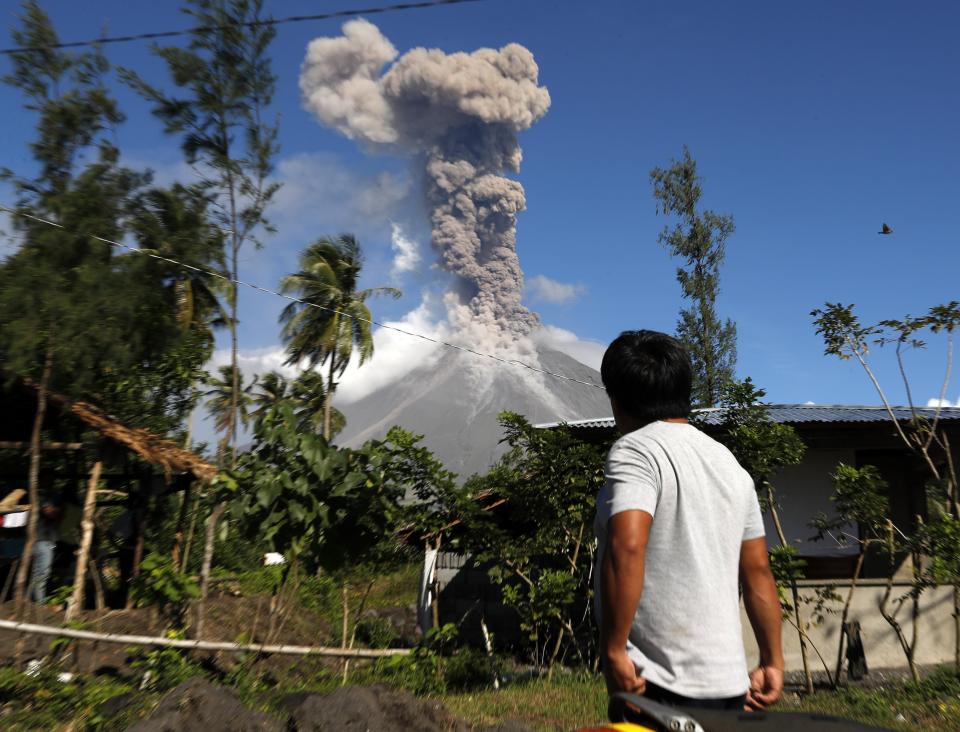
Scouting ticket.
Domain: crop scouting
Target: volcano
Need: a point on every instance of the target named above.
(454, 404)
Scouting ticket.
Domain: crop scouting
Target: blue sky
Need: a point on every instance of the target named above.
(812, 124)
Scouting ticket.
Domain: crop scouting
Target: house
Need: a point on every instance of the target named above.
(855, 435)
(834, 434)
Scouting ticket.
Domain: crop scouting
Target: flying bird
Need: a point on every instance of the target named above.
(885, 230)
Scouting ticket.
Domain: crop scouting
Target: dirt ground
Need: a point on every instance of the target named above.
(229, 618)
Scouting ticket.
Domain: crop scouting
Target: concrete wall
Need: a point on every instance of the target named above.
(882, 649)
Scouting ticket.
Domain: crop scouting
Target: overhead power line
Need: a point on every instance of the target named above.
(251, 24)
(258, 288)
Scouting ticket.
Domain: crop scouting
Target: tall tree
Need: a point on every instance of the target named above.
(699, 239)
(221, 400)
(225, 85)
(333, 318)
(63, 317)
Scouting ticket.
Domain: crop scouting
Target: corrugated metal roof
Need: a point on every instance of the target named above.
(799, 414)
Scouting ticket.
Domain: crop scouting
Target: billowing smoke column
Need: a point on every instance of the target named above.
(462, 113)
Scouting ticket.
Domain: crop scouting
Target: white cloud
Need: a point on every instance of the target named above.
(809, 404)
(566, 341)
(396, 354)
(319, 193)
(406, 251)
(255, 362)
(543, 288)
(942, 403)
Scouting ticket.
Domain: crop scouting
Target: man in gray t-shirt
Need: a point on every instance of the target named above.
(678, 526)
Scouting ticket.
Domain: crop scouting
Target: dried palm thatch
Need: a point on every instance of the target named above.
(152, 448)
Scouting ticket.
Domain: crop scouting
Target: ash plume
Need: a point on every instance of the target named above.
(460, 113)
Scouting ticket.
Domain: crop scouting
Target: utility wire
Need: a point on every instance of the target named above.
(250, 24)
(252, 286)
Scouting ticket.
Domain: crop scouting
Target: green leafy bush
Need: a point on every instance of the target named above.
(161, 585)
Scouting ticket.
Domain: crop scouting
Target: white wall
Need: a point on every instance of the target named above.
(803, 490)
(880, 644)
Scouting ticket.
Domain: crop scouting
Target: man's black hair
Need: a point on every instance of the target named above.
(649, 374)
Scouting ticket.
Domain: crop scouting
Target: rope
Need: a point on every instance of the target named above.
(258, 288)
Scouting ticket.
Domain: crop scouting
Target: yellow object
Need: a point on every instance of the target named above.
(619, 727)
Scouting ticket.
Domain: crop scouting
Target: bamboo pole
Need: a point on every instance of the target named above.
(198, 645)
(86, 539)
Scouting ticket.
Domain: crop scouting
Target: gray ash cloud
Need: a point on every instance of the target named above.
(461, 114)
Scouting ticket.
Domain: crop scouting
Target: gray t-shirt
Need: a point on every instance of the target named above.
(686, 634)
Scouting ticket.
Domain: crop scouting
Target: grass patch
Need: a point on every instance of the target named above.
(933, 703)
(44, 702)
(564, 703)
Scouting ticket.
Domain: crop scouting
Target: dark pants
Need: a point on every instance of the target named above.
(663, 696)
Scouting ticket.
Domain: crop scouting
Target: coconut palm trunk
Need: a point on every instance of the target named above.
(328, 400)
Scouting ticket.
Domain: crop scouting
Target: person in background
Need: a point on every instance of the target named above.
(678, 524)
(44, 546)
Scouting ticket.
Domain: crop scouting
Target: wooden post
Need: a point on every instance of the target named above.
(208, 547)
(86, 539)
(139, 536)
(181, 522)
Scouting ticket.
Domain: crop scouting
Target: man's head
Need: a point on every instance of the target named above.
(648, 377)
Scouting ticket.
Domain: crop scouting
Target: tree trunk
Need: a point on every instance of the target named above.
(33, 487)
(181, 521)
(211, 533)
(328, 400)
(86, 539)
(193, 521)
(956, 629)
(846, 612)
(138, 542)
(234, 355)
(807, 676)
(353, 633)
(891, 619)
(775, 515)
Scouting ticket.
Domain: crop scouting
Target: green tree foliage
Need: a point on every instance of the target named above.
(171, 223)
(699, 239)
(319, 505)
(530, 519)
(75, 315)
(335, 319)
(938, 536)
(225, 85)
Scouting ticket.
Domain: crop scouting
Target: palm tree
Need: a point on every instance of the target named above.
(332, 318)
(220, 403)
(173, 223)
(310, 397)
(274, 388)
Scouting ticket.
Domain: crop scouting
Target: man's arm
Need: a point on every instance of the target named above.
(763, 608)
(621, 584)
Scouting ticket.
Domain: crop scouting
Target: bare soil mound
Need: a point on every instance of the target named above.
(363, 708)
(199, 706)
